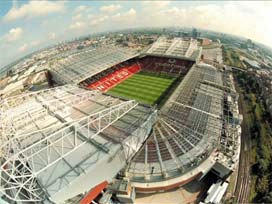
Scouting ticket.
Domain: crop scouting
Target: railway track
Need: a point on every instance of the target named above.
(243, 182)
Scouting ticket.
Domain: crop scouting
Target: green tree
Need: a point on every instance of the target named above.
(262, 166)
(267, 198)
(262, 185)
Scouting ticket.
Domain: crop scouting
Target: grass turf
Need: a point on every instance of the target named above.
(143, 88)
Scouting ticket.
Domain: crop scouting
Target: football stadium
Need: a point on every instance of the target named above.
(120, 123)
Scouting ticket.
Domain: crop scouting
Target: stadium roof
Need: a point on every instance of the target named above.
(177, 47)
(54, 141)
(82, 65)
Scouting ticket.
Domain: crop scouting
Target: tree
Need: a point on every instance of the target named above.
(262, 166)
(262, 185)
(267, 198)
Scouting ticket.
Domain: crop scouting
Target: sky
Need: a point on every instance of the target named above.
(26, 26)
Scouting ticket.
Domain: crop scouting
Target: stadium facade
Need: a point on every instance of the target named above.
(59, 143)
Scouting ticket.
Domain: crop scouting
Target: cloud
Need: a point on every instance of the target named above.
(124, 16)
(98, 20)
(78, 25)
(155, 4)
(23, 48)
(35, 43)
(247, 19)
(131, 12)
(250, 20)
(51, 35)
(81, 9)
(77, 17)
(110, 8)
(89, 16)
(34, 9)
(14, 34)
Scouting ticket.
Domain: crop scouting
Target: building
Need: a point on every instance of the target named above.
(195, 33)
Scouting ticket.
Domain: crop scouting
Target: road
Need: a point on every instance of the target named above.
(243, 181)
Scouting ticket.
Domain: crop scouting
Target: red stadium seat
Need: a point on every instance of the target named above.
(111, 80)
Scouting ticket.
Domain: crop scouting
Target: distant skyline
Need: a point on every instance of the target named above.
(30, 25)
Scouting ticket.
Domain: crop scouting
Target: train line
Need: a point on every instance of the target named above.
(243, 182)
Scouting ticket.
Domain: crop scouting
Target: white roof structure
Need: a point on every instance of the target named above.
(177, 47)
(216, 192)
(82, 65)
(12, 87)
(53, 142)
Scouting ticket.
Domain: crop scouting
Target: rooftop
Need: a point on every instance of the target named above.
(82, 65)
(177, 47)
(55, 139)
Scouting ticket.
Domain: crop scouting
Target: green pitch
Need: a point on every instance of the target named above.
(142, 87)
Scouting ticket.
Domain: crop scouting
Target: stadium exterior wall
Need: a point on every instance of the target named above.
(168, 187)
(195, 174)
